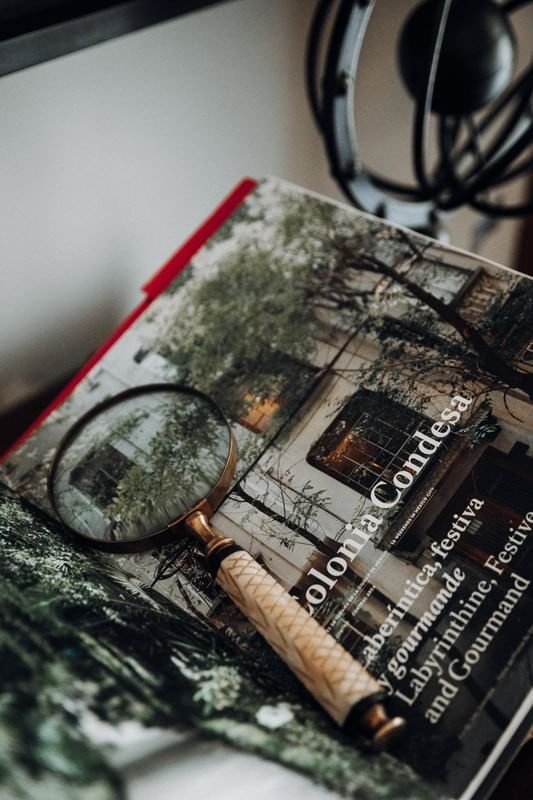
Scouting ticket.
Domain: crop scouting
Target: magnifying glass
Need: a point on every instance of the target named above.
(153, 463)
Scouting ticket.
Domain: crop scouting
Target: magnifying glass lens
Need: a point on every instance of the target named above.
(139, 464)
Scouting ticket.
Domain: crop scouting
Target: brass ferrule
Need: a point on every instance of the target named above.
(380, 728)
(199, 524)
(217, 544)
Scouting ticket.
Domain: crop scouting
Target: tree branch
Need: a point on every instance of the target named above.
(489, 358)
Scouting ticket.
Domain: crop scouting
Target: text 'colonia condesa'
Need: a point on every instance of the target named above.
(385, 496)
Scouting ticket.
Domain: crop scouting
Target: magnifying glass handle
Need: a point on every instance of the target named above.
(342, 686)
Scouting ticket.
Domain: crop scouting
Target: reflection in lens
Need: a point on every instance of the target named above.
(139, 464)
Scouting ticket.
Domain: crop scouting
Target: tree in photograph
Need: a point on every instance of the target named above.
(298, 266)
(289, 514)
(246, 337)
(351, 257)
(177, 467)
(297, 514)
(468, 351)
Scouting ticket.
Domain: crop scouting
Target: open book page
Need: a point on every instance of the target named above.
(379, 387)
(99, 671)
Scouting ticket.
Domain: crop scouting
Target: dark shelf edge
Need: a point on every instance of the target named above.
(47, 42)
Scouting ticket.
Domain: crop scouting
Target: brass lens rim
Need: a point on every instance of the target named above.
(170, 532)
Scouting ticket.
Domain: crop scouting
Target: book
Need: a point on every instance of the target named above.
(379, 387)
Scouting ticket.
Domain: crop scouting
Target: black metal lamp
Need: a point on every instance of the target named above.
(457, 60)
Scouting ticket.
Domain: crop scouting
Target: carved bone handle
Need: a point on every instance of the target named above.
(335, 679)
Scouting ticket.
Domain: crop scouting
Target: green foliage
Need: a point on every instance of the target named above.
(513, 324)
(247, 330)
(245, 316)
(485, 428)
(184, 459)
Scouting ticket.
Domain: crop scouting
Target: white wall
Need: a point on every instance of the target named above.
(111, 156)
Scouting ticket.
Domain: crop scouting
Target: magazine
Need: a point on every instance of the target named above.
(379, 387)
